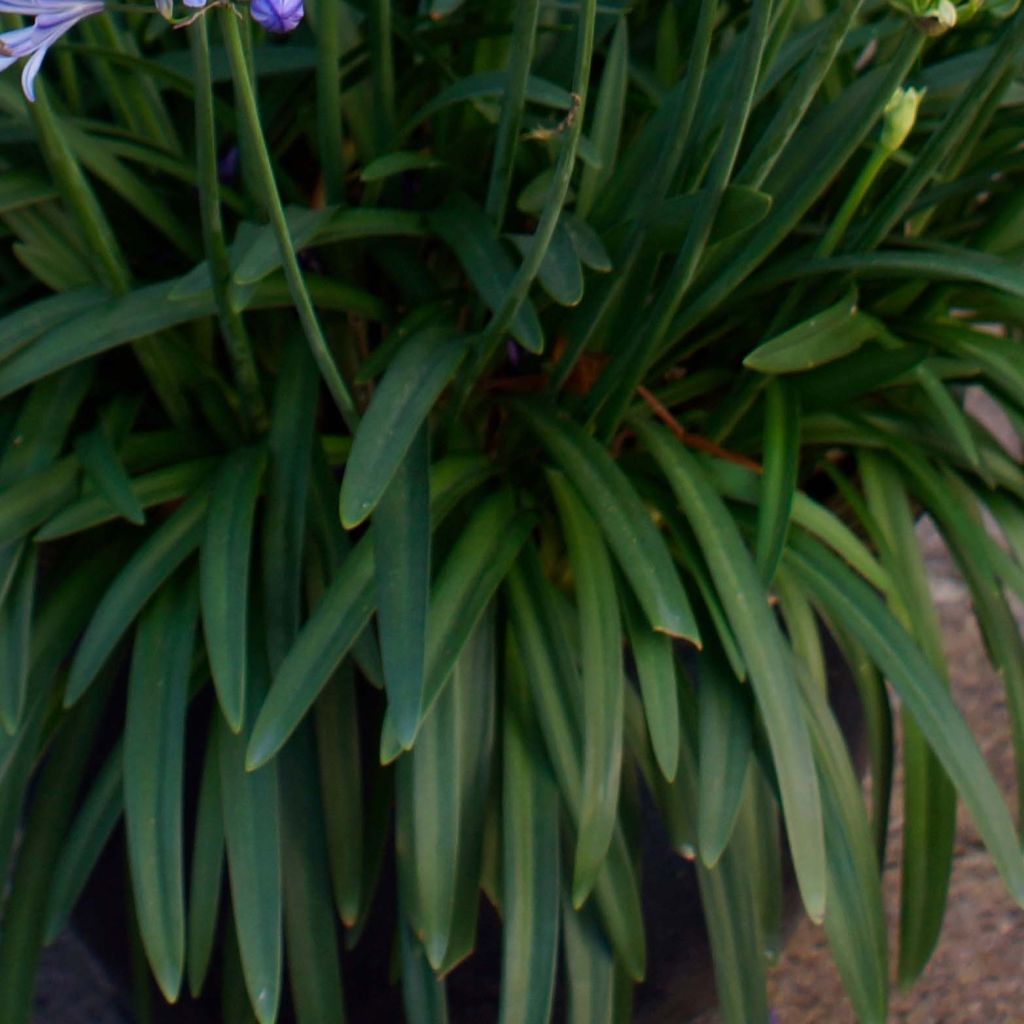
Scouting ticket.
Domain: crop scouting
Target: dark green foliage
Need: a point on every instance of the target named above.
(472, 359)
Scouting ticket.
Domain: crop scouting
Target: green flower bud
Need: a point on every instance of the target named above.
(898, 117)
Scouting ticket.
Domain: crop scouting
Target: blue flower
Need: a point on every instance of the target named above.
(53, 19)
(277, 15)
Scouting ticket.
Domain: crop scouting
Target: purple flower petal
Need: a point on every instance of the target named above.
(277, 15)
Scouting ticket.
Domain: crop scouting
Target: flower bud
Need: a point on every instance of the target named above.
(898, 117)
(277, 15)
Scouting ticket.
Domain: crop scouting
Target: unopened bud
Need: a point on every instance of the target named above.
(898, 118)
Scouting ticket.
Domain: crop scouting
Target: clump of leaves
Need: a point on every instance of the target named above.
(516, 348)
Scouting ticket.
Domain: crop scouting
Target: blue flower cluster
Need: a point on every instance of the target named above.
(52, 18)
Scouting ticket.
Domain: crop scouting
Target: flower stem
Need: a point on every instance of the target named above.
(267, 185)
(852, 202)
(328, 98)
(253, 407)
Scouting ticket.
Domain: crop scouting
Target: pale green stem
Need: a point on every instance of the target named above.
(267, 184)
(253, 407)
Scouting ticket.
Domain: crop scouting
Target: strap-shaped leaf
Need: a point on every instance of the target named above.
(547, 656)
(338, 620)
(423, 993)
(472, 572)
(97, 818)
(531, 868)
(289, 448)
(465, 227)
(207, 870)
(601, 680)
(725, 748)
(32, 500)
(224, 564)
(855, 923)
(252, 833)
(781, 467)
(589, 968)
(44, 834)
(836, 332)
(929, 797)
(310, 934)
(16, 638)
(656, 673)
(134, 585)
(451, 766)
(634, 540)
(854, 604)
(403, 399)
(105, 470)
(154, 766)
(761, 642)
(341, 786)
(401, 551)
(161, 487)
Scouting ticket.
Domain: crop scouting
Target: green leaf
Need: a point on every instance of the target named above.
(763, 648)
(154, 766)
(252, 833)
(27, 323)
(161, 487)
(656, 672)
(929, 797)
(472, 572)
(93, 827)
(33, 499)
(560, 274)
(741, 209)
(634, 540)
(339, 619)
(451, 765)
(258, 254)
(823, 338)
(207, 870)
(341, 786)
(224, 563)
(606, 127)
(45, 831)
(390, 164)
(781, 468)
(601, 671)
(310, 935)
(402, 401)
(135, 584)
(730, 908)
(547, 660)
(589, 968)
(587, 242)
(107, 473)
(854, 604)
(726, 747)
(855, 923)
(531, 869)
(464, 227)
(423, 993)
(290, 449)
(401, 551)
(16, 621)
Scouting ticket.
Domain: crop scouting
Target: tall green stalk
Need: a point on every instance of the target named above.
(236, 338)
(250, 116)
